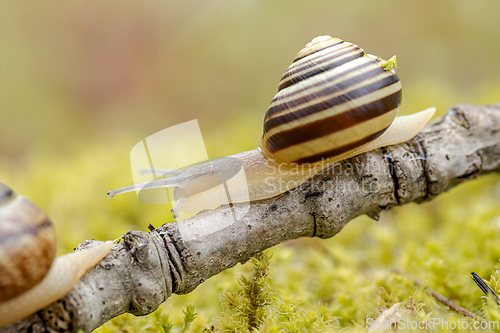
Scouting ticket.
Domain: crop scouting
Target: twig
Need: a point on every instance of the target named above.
(443, 299)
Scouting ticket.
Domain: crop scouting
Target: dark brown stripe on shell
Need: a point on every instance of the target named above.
(320, 69)
(339, 150)
(329, 89)
(319, 83)
(337, 100)
(335, 123)
(23, 229)
(315, 60)
(324, 48)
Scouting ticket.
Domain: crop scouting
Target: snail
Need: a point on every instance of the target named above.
(334, 102)
(30, 276)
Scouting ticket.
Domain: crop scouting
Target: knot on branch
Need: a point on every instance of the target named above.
(154, 271)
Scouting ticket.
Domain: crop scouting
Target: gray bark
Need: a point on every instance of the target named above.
(144, 269)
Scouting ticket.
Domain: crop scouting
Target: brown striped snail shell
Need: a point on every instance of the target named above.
(333, 102)
(30, 275)
(333, 98)
(27, 244)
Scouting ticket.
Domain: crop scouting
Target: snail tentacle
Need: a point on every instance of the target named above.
(158, 183)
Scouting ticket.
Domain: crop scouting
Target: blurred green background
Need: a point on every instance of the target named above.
(81, 83)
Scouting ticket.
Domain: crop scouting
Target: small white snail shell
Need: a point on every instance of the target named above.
(334, 102)
(30, 277)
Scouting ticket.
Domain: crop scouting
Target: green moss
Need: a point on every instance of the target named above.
(390, 64)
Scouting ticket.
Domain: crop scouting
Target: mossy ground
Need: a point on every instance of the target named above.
(304, 285)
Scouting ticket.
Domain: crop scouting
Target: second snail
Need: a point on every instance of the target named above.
(334, 102)
(31, 277)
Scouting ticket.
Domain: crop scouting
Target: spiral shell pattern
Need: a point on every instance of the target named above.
(331, 100)
(27, 244)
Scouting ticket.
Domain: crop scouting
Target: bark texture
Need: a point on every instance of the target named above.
(144, 269)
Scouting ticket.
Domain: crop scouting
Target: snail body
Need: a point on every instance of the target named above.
(30, 275)
(333, 102)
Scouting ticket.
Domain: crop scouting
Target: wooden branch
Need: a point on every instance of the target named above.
(146, 268)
